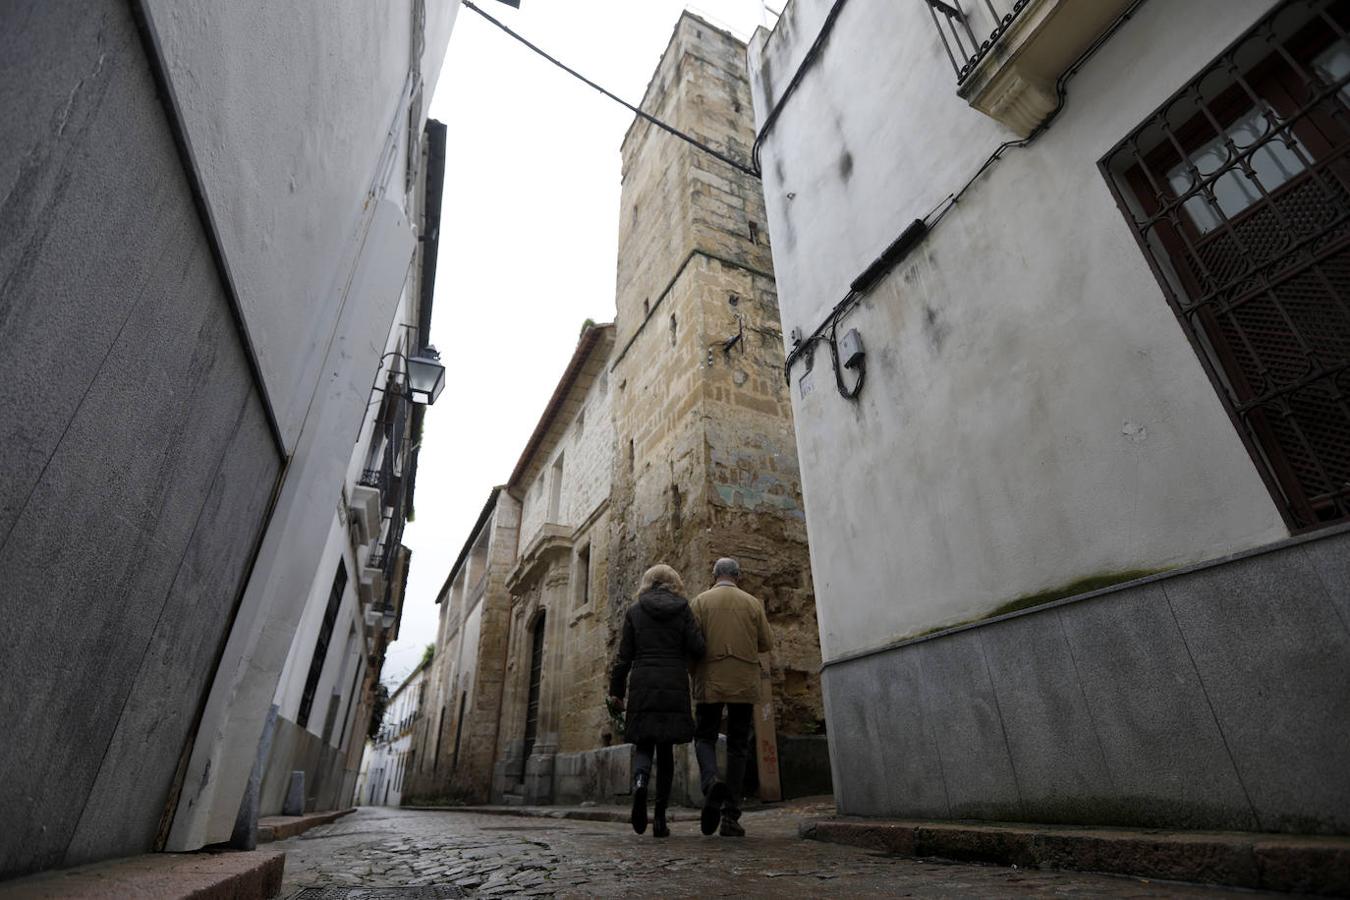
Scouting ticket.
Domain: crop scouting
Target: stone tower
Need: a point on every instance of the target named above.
(705, 457)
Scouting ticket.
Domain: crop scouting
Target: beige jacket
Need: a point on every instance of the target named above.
(736, 631)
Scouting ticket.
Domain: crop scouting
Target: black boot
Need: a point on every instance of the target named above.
(659, 827)
(731, 825)
(639, 817)
(712, 807)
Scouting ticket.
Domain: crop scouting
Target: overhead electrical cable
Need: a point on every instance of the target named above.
(689, 139)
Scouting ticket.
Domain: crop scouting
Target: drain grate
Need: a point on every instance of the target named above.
(422, 892)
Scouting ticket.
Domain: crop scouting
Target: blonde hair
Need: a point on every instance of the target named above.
(661, 575)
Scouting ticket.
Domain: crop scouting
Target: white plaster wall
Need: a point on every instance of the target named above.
(291, 684)
(295, 116)
(336, 669)
(995, 451)
(403, 704)
(384, 771)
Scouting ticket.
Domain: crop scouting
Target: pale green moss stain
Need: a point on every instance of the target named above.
(1029, 601)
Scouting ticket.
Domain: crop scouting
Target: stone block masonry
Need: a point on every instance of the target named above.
(706, 455)
(668, 439)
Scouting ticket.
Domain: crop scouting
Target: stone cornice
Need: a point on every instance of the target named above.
(551, 541)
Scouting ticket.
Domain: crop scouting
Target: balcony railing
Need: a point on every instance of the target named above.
(959, 36)
(380, 559)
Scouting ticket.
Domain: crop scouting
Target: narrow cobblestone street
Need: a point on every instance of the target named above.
(489, 855)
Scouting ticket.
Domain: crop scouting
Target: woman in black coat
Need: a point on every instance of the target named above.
(660, 640)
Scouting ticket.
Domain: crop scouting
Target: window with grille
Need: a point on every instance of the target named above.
(1238, 191)
(321, 644)
(536, 681)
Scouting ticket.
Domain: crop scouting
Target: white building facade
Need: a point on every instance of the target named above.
(355, 600)
(390, 755)
(1068, 344)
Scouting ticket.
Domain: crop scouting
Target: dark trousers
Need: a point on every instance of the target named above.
(707, 722)
(665, 766)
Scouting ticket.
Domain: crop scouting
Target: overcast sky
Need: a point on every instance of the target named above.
(529, 231)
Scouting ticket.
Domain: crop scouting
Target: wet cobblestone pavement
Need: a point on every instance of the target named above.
(490, 856)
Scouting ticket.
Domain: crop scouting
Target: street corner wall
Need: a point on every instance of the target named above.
(1033, 415)
(755, 507)
(139, 462)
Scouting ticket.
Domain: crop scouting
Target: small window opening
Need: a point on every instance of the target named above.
(754, 232)
(555, 490)
(584, 576)
(674, 330)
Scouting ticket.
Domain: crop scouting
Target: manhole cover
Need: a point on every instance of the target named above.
(424, 892)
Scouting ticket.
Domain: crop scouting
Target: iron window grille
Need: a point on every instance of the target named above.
(317, 659)
(958, 34)
(1238, 192)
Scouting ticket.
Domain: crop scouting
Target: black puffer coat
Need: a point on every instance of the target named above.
(660, 639)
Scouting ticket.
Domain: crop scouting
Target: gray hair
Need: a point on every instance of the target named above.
(726, 567)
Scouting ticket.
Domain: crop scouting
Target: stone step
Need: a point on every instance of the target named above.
(278, 828)
(1307, 864)
(229, 875)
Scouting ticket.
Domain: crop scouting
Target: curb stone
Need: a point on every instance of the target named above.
(1309, 864)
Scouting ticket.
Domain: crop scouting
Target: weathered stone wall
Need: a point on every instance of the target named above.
(677, 445)
(706, 459)
(467, 671)
(557, 574)
(473, 774)
(583, 435)
(589, 443)
(584, 724)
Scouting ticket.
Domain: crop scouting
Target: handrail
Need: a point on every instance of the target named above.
(964, 49)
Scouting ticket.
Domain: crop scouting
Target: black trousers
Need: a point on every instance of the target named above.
(665, 766)
(707, 723)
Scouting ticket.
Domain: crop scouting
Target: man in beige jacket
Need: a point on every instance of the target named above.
(735, 631)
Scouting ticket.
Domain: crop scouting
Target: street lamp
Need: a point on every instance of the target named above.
(426, 376)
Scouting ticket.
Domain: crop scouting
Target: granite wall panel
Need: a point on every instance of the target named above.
(139, 465)
(1213, 697)
(1271, 653)
(1051, 736)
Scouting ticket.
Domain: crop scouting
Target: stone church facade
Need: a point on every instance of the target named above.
(668, 439)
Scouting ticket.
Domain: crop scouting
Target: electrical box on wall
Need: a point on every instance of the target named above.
(851, 349)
